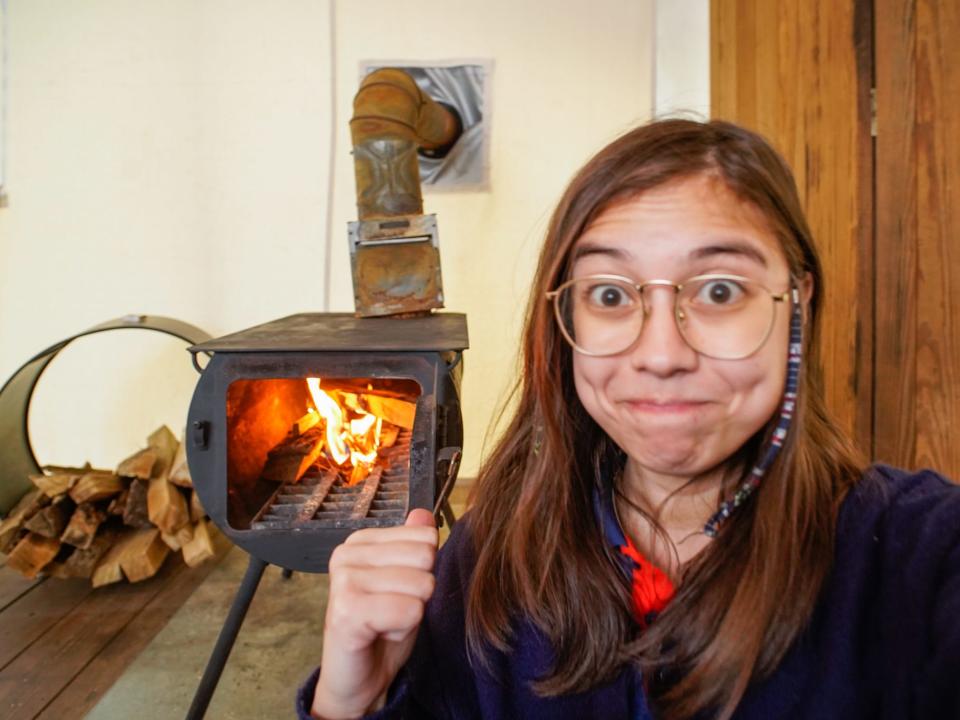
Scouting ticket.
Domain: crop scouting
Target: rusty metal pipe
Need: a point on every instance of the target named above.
(392, 118)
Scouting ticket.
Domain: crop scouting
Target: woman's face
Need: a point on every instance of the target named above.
(673, 411)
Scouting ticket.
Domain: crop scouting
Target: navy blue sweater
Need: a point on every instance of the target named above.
(883, 643)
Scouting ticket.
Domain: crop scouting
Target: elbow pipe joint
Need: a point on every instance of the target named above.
(392, 120)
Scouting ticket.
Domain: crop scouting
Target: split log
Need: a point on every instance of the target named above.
(83, 525)
(135, 511)
(96, 486)
(119, 503)
(139, 465)
(108, 569)
(166, 507)
(32, 553)
(142, 554)
(164, 443)
(196, 509)
(67, 469)
(358, 474)
(388, 435)
(177, 540)
(306, 422)
(398, 412)
(26, 508)
(289, 460)
(56, 484)
(51, 520)
(201, 546)
(81, 563)
(180, 470)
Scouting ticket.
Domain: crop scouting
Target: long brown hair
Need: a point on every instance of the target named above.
(540, 552)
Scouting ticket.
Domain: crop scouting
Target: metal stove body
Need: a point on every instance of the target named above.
(297, 525)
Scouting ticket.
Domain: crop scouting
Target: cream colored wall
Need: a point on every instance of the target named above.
(682, 58)
(172, 158)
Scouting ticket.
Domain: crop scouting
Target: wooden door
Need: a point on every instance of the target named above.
(882, 195)
(917, 399)
(800, 75)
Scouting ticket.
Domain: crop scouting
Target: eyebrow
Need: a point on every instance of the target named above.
(730, 247)
(588, 249)
(740, 248)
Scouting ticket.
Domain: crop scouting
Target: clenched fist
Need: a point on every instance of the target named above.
(380, 581)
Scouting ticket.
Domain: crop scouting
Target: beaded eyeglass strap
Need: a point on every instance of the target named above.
(787, 409)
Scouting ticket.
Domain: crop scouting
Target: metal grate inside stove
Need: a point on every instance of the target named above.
(321, 499)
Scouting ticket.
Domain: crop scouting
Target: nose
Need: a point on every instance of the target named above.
(661, 349)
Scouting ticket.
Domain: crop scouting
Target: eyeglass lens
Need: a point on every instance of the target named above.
(720, 317)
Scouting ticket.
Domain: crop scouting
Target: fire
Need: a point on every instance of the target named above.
(356, 439)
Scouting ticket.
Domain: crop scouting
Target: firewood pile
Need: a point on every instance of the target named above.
(107, 526)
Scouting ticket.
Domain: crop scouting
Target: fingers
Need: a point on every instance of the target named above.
(380, 581)
(421, 517)
(414, 533)
(407, 553)
(356, 621)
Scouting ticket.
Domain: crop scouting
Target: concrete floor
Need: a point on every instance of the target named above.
(278, 646)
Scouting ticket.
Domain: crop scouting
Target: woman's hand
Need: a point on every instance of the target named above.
(380, 581)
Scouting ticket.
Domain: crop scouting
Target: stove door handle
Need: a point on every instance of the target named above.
(449, 457)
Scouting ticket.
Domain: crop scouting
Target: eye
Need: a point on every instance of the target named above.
(720, 291)
(607, 295)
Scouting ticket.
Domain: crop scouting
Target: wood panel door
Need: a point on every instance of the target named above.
(882, 194)
(917, 398)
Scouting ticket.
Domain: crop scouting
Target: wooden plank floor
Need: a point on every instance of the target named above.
(62, 644)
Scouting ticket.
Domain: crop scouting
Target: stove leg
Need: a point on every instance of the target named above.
(228, 634)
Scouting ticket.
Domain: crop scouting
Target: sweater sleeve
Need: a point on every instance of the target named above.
(938, 694)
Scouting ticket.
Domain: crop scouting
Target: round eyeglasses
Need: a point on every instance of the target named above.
(726, 317)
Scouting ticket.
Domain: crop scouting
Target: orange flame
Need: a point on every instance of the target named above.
(356, 440)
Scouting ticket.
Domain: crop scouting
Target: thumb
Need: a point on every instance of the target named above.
(420, 516)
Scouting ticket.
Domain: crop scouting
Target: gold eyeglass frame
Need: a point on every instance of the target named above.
(552, 295)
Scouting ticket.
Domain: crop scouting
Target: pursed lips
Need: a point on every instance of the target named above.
(665, 405)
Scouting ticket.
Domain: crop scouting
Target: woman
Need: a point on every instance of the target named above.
(671, 525)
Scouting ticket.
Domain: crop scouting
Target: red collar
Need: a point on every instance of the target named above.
(652, 589)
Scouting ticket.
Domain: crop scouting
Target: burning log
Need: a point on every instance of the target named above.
(289, 460)
(398, 412)
(388, 435)
(305, 423)
(166, 507)
(83, 525)
(96, 486)
(32, 553)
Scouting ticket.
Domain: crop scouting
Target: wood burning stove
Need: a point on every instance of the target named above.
(264, 460)
(283, 484)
